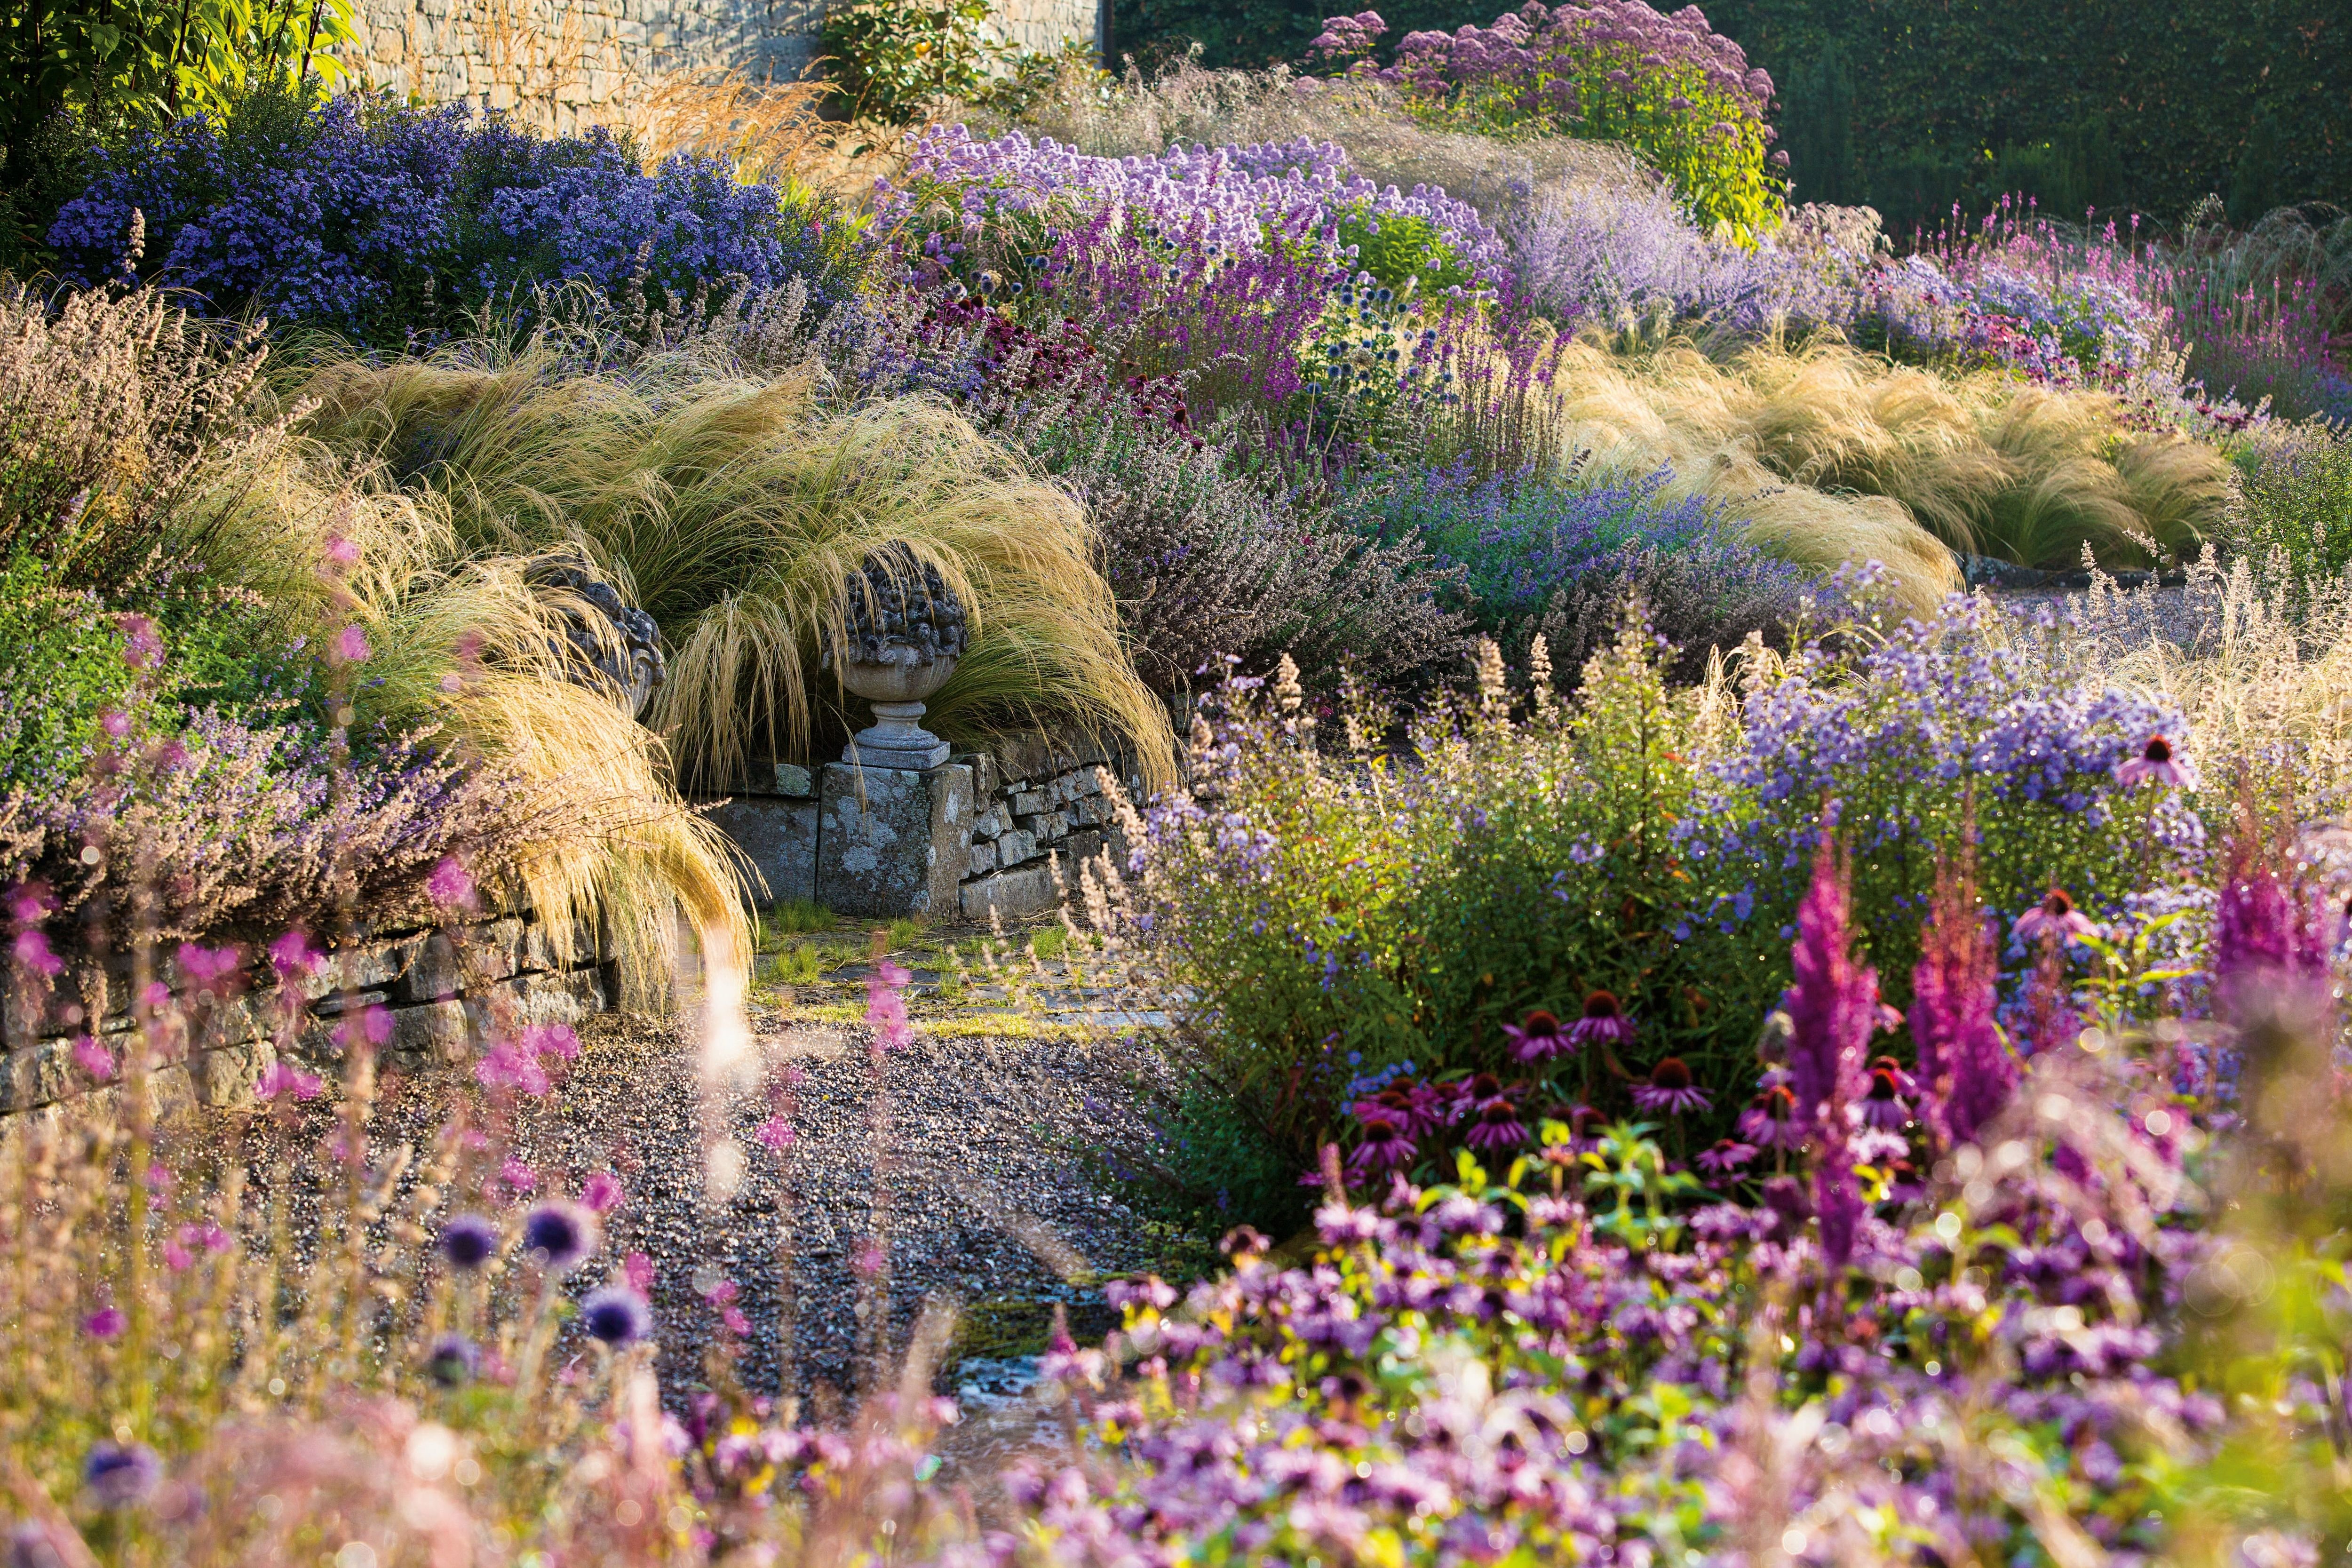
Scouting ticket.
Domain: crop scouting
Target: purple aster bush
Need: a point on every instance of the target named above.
(1922, 733)
(383, 222)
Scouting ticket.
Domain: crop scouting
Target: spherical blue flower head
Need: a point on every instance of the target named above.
(453, 1361)
(122, 1474)
(560, 1236)
(616, 1316)
(468, 1241)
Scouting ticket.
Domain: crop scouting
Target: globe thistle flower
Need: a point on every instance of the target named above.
(2055, 918)
(1724, 1157)
(2159, 761)
(454, 1361)
(468, 1241)
(1539, 1037)
(1604, 1022)
(615, 1316)
(1770, 1120)
(1384, 1146)
(119, 1475)
(1497, 1125)
(561, 1235)
(1669, 1091)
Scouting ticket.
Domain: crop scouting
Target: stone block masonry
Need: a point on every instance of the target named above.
(563, 65)
(1039, 807)
(447, 993)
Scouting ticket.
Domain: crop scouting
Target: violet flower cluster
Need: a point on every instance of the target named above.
(382, 220)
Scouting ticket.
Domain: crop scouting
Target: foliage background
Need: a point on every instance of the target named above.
(1909, 107)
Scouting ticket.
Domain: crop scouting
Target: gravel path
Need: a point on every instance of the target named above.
(982, 1191)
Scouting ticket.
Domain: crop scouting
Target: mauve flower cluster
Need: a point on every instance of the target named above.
(1230, 201)
(1479, 1371)
(381, 220)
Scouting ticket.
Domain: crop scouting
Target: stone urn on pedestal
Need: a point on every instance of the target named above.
(905, 631)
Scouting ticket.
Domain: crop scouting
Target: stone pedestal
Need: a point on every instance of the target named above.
(892, 841)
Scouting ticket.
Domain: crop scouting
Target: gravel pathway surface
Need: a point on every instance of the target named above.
(960, 1170)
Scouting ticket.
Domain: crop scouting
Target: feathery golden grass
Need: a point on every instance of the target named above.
(1834, 454)
(469, 646)
(733, 510)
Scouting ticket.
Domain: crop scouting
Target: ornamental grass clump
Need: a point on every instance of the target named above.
(733, 510)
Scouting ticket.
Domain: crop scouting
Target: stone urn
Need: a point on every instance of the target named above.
(903, 631)
(608, 644)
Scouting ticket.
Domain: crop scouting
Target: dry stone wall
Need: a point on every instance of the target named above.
(446, 993)
(564, 64)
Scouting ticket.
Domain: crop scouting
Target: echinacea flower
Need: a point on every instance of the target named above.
(122, 1474)
(1882, 1105)
(2055, 918)
(1604, 1022)
(1384, 1145)
(1770, 1122)
(559, 1235)
(453, 1361)
(1497, 1125)
(2159, 761)
(1725, 1156)
(468, 1241)
(615, 1316)
(1539, 1037)
(1670, 1090)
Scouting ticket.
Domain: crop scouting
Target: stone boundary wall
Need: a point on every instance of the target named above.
(562, 65)
(447, 992)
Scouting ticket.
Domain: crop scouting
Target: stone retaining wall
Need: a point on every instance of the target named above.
(976, 837)
(447, 991)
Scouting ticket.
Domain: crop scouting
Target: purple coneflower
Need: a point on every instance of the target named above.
(1724, 1157)
(1670, 1090)
(1385, 1147)
(1496, 1125)
(1771, 1122)
(2056, 918)
(1882, 1105)
(122, 1474)
(560, 1233)
(1539, 1037)
(615, 1316)
(1604, 1022)
(453, 1361)
(2158, 761)
(468, 1241)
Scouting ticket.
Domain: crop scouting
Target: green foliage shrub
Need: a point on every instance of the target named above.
(2294, 510)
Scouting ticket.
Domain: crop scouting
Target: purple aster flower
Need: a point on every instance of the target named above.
(1384, 1145)
(560, 1233)
(2054, 919)
(1496, 1125)
(1724, 1157)
(1770, 1119)
(1882, 1104)
(1669, 1091)
(2159, 761)
(122, 1474)
(1539, 1037)
(1604, 1022)
(454, 1361)
(468, 1241)
(615, 1316)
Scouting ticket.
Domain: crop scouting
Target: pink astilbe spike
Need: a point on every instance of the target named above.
(1832, 1009)
(1966, 1072)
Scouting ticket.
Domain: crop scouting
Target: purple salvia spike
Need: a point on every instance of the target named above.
(1965, 1073)
(1832, 1009)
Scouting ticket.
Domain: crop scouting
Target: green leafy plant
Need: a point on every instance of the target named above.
(893, 58)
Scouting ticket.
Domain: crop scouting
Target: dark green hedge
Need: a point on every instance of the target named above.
(1911, 104)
